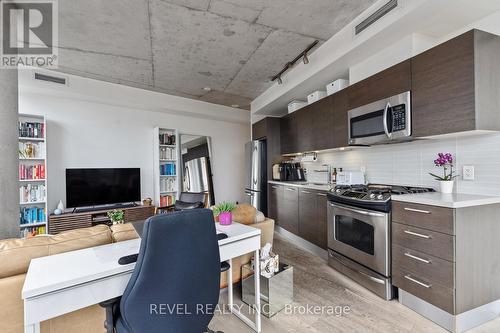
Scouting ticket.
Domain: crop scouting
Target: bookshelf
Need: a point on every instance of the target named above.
(166, 166)
(32, 175)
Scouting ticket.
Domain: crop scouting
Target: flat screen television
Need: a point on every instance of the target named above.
(94, 187)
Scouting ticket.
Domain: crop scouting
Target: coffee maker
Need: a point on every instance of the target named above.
(291, 172)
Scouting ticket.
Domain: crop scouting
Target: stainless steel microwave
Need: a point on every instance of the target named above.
(382, 121)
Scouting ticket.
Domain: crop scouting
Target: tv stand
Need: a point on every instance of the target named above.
(97, 215)
(106, 207)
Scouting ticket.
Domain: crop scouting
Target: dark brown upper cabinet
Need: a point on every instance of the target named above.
(259, 129)
(339, 132)
(269, 129)
(319, 126)
(322, 125)
(389, 82)
(456, 86)
(289, 133)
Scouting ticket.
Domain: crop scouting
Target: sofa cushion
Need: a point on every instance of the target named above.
(244, 214)
(16, 254)
(80, 239)
(12, 320)
(123, 232)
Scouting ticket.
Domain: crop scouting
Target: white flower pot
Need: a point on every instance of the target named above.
(446, 186)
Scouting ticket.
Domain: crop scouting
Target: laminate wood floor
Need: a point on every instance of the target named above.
(317, 284)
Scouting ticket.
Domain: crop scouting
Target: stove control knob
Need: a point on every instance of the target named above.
(380, 196)
(372, 196)
(338, 190)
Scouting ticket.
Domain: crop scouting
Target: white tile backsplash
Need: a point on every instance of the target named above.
(410, 163)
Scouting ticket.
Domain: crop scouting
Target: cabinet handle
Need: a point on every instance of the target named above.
(417, 210)
(306, 192)
(275, 187)
(417, 234)
(417, 258)
(321, 194)
(289, 189)
(418, 282)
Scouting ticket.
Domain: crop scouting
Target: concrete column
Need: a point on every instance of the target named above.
(9, 185)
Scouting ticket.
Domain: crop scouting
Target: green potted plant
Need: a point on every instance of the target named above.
(445, 161)
(116, 216)
(223, 212)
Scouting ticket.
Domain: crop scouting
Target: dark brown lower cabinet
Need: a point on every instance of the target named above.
(321, 209)
(275, 196)
(312, 217)
(299, 211)
(288, 210)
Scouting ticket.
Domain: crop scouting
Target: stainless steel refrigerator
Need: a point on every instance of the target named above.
(256, 174)
(197, 177)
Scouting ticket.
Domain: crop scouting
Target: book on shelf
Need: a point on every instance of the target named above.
(167, 200)
(167, 153)
(168, 184)
(168, 169)
(33, 231)
(31, 150)
(29, 215)
(31, 172)
(167, 139)
(34, 130)
(32, 193)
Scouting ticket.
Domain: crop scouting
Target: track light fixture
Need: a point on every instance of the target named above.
(305, 59)
(290, 64)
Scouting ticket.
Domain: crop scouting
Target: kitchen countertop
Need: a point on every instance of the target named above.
(307, 185)
(455, 200)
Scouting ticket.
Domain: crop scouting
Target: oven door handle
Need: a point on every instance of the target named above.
(361, 212)
(374, 279)
(386, 125)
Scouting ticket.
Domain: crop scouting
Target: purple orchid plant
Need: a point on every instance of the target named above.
(445, 161)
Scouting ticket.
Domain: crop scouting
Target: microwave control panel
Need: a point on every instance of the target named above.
(398, 118)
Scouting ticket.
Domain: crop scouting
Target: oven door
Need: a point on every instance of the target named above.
(361, 235)
(381, 121)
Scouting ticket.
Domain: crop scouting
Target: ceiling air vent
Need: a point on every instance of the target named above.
(376, 16)
(50, 78)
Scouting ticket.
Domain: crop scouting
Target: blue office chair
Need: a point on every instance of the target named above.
(175, 283)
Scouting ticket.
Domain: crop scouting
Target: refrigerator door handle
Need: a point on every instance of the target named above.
(255, 158)
(188, 183)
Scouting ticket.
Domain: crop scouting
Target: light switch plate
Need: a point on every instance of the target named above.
(468, 172)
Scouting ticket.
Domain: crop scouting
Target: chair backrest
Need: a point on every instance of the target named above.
(175, 283)
(192, 197)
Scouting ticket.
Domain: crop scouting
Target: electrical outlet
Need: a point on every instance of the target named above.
(468, 172)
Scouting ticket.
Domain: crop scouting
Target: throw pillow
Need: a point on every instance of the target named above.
(244, 214)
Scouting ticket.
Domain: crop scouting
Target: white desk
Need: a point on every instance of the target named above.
(62, 283)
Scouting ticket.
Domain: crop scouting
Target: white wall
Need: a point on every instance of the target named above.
(410, 163)
(85, 129)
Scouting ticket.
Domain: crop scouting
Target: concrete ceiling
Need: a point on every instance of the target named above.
(180, 47)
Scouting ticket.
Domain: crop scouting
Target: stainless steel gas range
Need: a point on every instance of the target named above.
(359, 233)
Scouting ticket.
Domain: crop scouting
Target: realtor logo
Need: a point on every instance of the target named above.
(29, 33)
